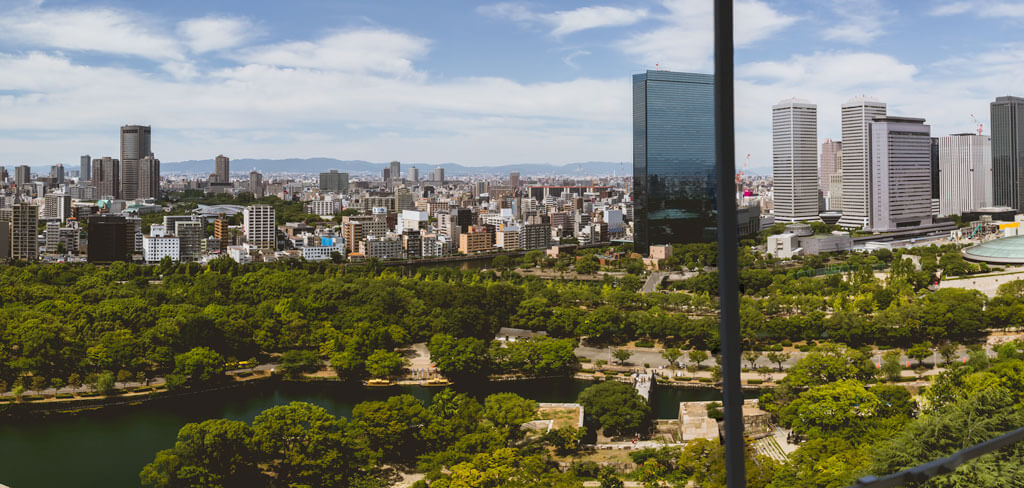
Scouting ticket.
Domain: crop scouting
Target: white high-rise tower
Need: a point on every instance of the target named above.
(965, 173)
(795, 160)
(857, 115)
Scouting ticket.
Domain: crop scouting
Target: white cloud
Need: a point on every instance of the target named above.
(1001, 9)
(361, 51)
(860, 21)
(94, 29)
(569, 21)
(295, 99)
(981, 8)
(954, 8)
(215, 33)
(685, 42)
(570, 59)
(565, 22)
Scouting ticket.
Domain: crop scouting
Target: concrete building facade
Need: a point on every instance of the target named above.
(857, 115)
(965, 173)
(901, 185)
(258, 226)
(795, 160)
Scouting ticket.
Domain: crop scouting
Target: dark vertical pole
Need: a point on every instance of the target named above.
(728, 288)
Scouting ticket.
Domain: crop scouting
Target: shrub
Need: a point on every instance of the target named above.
(754, 381)
(787, 343)
(583, 359)
(645, 343)
(64, 396)
(705, 380)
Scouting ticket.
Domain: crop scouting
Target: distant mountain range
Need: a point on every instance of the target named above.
(318, 165)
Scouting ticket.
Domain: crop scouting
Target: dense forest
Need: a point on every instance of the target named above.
(68, 324)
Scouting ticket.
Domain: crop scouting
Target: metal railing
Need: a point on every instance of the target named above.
(941, 466)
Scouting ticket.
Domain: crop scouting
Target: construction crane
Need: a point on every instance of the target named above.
(740, 173)
(975, 119)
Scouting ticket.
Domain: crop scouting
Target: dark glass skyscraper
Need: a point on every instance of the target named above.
(1007, 151)
(673, 158)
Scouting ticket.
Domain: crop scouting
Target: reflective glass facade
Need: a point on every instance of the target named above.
(673, 158)
(1007, 151)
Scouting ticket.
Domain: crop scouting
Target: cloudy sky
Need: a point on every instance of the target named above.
(469, 82)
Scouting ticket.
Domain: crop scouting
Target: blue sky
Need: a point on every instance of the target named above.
(475, 83)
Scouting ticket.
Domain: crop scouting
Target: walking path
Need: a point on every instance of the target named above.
(651, 285)
(643, 383)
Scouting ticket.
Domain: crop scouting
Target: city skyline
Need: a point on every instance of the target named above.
(517, 85)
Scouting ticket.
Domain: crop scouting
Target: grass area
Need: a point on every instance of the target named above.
(562, 416)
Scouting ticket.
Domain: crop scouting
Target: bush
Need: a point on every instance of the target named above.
(774, 347)
(31, 398)
(705, 380)
(645, 343)
(295, 362)
(64, 396)
(754, 381)
(714, 410)
(786, 343)
(585, 469)
(583, 359)
(804, 348)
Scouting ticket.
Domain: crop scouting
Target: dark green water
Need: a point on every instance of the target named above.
(108, 448)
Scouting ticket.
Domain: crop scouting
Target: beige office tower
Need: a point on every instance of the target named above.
(829, 165)
(222, 169)
(835, 185)
(256, 184)
(149, 177)
(857, 116)
(24, 218)
(259, 227)
(135, 145)
(106, 177)
(795, 160)
(396, 172)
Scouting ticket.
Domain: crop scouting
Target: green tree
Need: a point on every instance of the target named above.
(949, 352)
(752, 357)
(778, 358)
(347, 365)
(698, 356)
(616, 408)
(609, 480)
(200, 365)
(672, 355)
(587, 265)
(920, 352)
(566, 440)
(105, 383)
(453, 416)
(392, 427)
(296, 362)
(509, 411)
(384, 364)
(212, 453)
(829, 363)
(459, 358)
(622, 355)
(835, 409)
(967, 421)
(308, 446)
(891, 367)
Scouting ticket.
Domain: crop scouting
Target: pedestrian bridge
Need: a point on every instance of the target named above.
(643, 382)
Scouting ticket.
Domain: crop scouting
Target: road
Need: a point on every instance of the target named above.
(655, 279)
